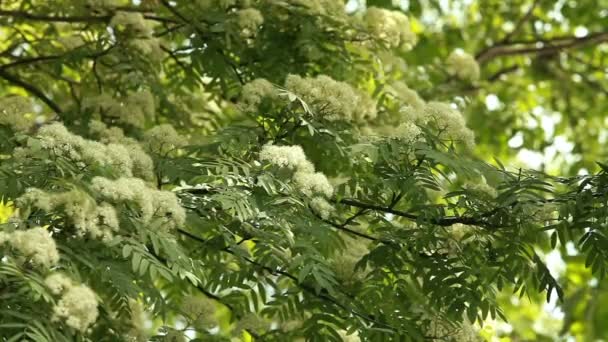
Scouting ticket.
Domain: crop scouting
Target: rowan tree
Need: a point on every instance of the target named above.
(276, 170)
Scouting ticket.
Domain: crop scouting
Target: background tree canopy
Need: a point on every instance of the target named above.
(290, 170)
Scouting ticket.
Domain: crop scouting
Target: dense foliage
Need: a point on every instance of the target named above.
(283, 170)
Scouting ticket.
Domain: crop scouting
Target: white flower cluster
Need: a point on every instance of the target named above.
(322, 7)
(200, 311)
(132, 22)
(450, 123)
(135, 109)
(463, 66)
(128, 159)
(344, 263)
(248, 21)
(391, 28)
(35, 244)
(354, 337)
(408, 97)
(98, 221)
(152, 203)
(408, 132)
(139, 32)
(143, 166)
(332, 99)
(255, 92)
(15, 112)
(163, 139)
(482, 188)
(321, 207)
(77, 305)
(293, 158)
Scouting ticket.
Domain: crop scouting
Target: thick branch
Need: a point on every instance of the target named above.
(442, 221)
(31, 89)
(278, 272)
(540, 47)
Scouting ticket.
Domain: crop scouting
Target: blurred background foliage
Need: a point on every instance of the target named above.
(541, 103)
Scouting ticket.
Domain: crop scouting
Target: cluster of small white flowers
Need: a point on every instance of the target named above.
(311, 183)
(344, 262)
(463, 66)
(293, 158)
(321, 207)
(151, 202)
(481, 187)
(200, 311)
(392, 28)
(56, 138)
(58, 282)
(459, 230)
(143, 166)
(15, 112)
(249, 322)
(248, 21)
(98, 221)
(323, 7)
(135, 109)
(35, 244)
(164, 139)
(132, 22)
(408, 97)
(450, 123)
(408, 132)
(332, 99)
(138, 321)
(140, 33)
(354, 337)
(255, 92)
(77, 305)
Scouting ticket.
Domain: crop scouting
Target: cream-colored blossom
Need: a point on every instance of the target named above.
(135, 109)
(200, 311)
(391, 28)
(322, 207)
(354, 337)
(255, 92)
(142, 163)
(250, 322)
(163, 139)
(449, 122)
(152, 203)
(406, 95)
(35, 244)
(408, 132)
(482, 188)
(332, 99)
(291, 157)
(58, 283)
(81, 209)
(463, 66)
(345, 261)
(57, 139)
(248, 21)
(16, 113)
(313, 183)
(77, 308)
(131, 22)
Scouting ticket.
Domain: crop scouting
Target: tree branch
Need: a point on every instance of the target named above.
(31, 89)
(546, 46)
(279, 272)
